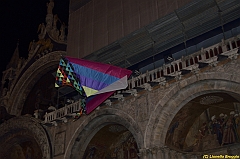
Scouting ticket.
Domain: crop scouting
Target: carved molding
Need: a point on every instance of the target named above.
(28, 127)
(93, 123)
(30, 77)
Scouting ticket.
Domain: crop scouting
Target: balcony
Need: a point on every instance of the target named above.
(175, 70)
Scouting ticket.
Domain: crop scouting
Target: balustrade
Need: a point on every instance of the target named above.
(59, 114)
(175, 69)
(205, 55)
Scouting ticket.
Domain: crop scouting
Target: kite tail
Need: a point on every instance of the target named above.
(81, 111)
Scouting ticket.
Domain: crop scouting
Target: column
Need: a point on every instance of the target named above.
(180, 155)
(166, 152)
(154, 153)
(160, 153)
(237, 107)
(143, 154)
(172, 154)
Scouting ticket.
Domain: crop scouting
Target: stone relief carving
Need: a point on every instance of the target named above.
(32, 48)
(50, 7)
(5, 99)
(59, 143)
(62, 36)
(55, 32)
(45, 46)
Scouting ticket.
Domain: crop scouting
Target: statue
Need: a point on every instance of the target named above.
(21, 62)
(46, 45)
(55, 31)
(42, 30)
(5, 99)
(4, 92)
(31, 48)
(62, 32)
(55, 20)
(50, 6)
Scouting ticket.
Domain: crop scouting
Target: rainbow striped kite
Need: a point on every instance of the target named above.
(96, 81)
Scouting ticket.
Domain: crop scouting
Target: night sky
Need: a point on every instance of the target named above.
(20, 20)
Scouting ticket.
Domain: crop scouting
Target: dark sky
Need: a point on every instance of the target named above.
(20, 20)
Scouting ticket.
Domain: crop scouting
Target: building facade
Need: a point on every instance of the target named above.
(182, 99)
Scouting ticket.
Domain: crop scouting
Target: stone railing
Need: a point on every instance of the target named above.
(63, 113)
(173, 70)
(192, 63)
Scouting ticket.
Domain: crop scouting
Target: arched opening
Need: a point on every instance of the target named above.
(168, 70)
(220, 50)
(23, 137)
(234, 45)
(238, 43)
(211, 53)
(207, 122)
(187, 63)
(176, 67)
(200, 57)
(180, 65)
(215, 51)
(42, 95)
(207, 55)
(113, 141)
(30, 77)
(23, 148)
(196, 59)
(145, 79)
(191, 61)
(162, 73)
(158, 74)
(45, 97)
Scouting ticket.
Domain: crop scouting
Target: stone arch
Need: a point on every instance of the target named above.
(93, 123)
(179, 95)
(30, 77)
(19, 129)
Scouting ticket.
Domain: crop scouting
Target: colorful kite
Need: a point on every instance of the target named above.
(93, 80)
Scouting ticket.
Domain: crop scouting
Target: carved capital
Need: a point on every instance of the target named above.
(108, 102)
(162, 81)
(213, 63)
(132, 92)
(119, 97)
(155, 150)
(144, 152)
(147, 86)
(195, 70)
